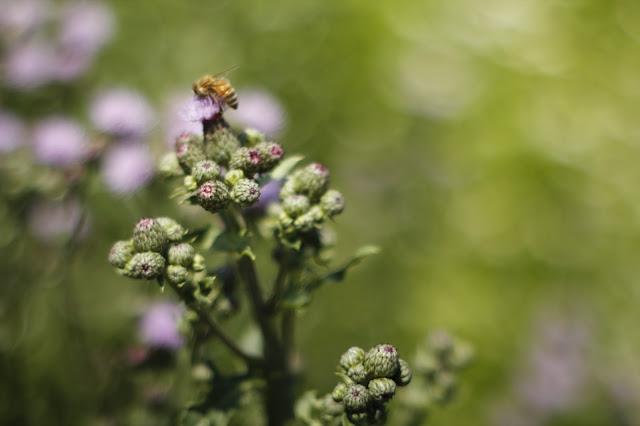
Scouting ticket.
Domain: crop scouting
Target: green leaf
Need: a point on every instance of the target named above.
(285, 166)
(231, 242)
(338, 275)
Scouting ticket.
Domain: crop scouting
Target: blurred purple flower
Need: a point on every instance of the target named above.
(199, 109)
(174, 123)
(69, 65)
(12, 132)
(260, 110)
(59, 142)
(127, 168)
(86, 26)
(158, 326)
(122, 112)
(22, 16)
(55, 220)
(29, 66)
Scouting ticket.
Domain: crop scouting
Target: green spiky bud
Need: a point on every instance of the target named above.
(121, 253)
(249, 160)
(354, 355)
(304, 223)
(271, 153)
(245, 192)
(313, 180)
(213, 196)
(251, 137)
(358, 374)
(403, 375)
(338, 392)
(173, 229)
(382, 389)
(189, 150)
(317, 213)
(149, 235)
(356, 398)
(289, 188)
(205, 170)
(332, 202)
(169, 165)
(221, 142)
(181, 254)
(296, 205)
(190, 183)
(198, 263)
(382, 361)
(177, 274)
(285, 220)
(147, 266)
(233, 176)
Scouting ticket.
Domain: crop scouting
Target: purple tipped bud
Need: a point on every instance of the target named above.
(205, 170)
(313, 180)
(271, 153)
(189, 150)
(245, 192)
(147, 266)
(382, 361)
(249, 160)
(148, 235)
(214, 196)
(356, 398)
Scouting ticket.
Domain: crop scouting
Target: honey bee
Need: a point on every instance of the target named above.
(218, 88)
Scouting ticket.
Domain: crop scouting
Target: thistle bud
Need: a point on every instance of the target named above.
(271, 153)
(189, 150)
(382, 389)
(205, 170)
(330, 408)
(381, 361)
(356, 398)
(296, 205)
(285, 220)
(289, 188)
(338, 392)
(332, 202)
(169, 165)
(351, 357)
(198, 263)
(181, 254)
(190, 183)
(247, 159)
(147, 266)
(221, 143)
(213, 196)
(251, 137)
(177, 274)
(304, 223)
(245, 192)
(313, 180)
(121, 253)
(403, 375)
(317, 213)
(173, 229)
(233, 176)
(149, 235)
(358, 374)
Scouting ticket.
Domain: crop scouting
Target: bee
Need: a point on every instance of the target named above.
(218, 88)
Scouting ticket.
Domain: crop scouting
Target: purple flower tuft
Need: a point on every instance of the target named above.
(127, 168)
(59, 142)
(199, 109)
(175, 125)
(158, 326)
(12, 132)
(86, 26)
(121, 112)
(260, 110)
(55, 221)
(29, 66)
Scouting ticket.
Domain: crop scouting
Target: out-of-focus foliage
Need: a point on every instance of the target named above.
(491, 149)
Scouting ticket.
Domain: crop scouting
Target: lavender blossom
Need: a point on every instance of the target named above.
(12, 132)
(158, 326)
(29, 66)
(174, 123)
(121, 112)
(127, 168)
(199, 109)
(55, 221)
(259, 110)
(86, 26)
(59, 142)
(19, 17)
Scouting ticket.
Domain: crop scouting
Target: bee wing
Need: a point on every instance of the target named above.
(226, 71)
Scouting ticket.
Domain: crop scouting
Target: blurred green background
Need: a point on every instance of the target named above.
(490, 148)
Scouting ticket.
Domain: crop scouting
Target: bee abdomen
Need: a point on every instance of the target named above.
(231, 98)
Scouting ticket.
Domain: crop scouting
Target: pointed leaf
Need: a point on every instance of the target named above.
(285, 166)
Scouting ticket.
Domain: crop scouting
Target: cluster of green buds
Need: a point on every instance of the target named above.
(370, 381)
(307, 200)
(437, 364)
(158, 251)
(222, 167)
